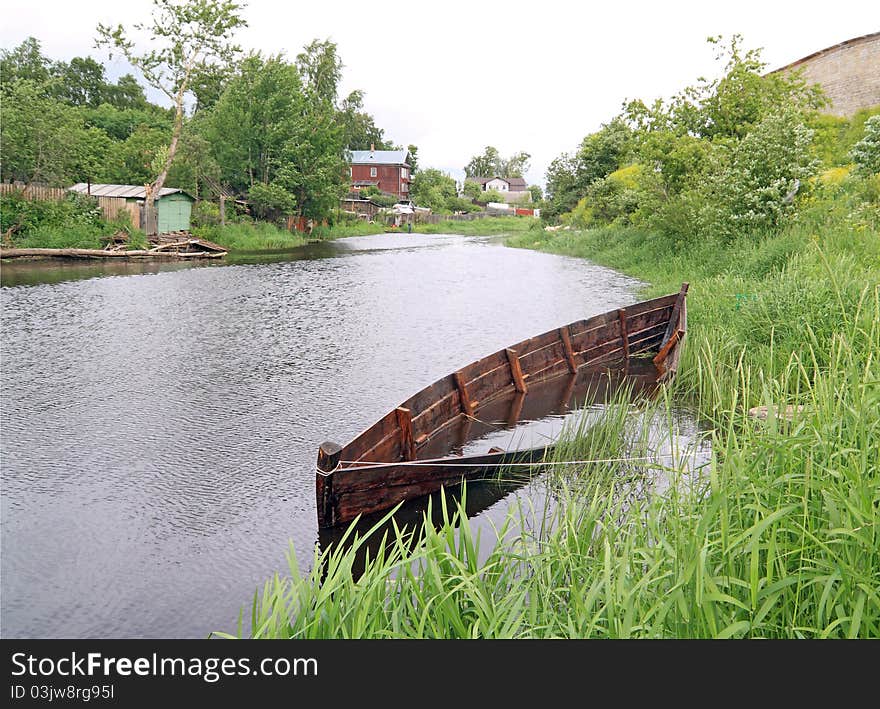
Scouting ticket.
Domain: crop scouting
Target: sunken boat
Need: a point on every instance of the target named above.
(419, 447)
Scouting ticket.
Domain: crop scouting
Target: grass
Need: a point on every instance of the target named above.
(256, 236)
(485, 226)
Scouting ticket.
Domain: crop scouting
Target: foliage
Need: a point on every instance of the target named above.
(270, 202)
(472, 189)
(866, 153)
(767, 168)
(45, 140)
(434, 189)
(44, 223)
(599, 154)
(491, 196)
(491, 164)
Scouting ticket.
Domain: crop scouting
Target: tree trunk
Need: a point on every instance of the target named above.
(151, 217)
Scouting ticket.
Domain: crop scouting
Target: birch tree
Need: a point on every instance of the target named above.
(185, 37)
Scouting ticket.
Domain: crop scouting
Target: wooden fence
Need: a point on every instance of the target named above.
(111, 207)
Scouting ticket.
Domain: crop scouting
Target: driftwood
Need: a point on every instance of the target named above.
(108, 254)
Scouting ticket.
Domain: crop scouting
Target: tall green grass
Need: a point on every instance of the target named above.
(251, 236)
(486, 226)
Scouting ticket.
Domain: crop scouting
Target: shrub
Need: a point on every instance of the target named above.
(866, 153)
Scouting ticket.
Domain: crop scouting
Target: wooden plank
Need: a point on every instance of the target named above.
(466, 404)
(490, 385)
(516, 372)
(407, 445)
(566, 347)
(624, 337)
(592, 337)
(516, 405)
(540, 359)
(647, 305)
(435, 418)
(673, 319)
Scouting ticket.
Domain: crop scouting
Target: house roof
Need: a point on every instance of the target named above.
(517, 184)
(130, 191)
(379, 157)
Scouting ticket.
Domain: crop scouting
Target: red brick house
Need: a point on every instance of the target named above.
(389, 170)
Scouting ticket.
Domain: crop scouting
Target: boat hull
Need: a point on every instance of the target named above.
(409, 452)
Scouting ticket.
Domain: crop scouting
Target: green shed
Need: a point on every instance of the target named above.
(174, 211)
(174, 205)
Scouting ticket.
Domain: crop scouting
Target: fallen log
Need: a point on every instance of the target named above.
(102, 254)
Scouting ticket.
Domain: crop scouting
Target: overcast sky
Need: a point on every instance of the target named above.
(453, 76)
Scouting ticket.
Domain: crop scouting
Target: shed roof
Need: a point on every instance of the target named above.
(379, 157)
(130, 191)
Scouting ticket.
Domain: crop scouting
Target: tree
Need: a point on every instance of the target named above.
(253, 119)
(81, 82)
(359, 128)
(537, 193)
(183, 37)
(27, 62)
(321, 69)
(413, 151)
(472, 190)
(313, 165)
(46, 140)
(515, 166)
(486, 165)
(434, 189)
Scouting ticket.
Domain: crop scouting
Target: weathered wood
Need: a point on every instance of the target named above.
(105, 254)
(463, 396)
(566, 347)
(466, 404)
(661, 356)
(674, 317)
(624, 336)
(516, 406)
(516, 372)
(328, 456)
(407, 444)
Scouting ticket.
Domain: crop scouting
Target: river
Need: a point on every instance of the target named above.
(160, 422)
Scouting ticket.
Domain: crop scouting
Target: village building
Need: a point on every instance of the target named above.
(513, 189)
(387, 170)
(174, 206)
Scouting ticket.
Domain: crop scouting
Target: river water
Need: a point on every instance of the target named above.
(160, 422)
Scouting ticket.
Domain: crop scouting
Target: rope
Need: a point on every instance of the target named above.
(422, 464)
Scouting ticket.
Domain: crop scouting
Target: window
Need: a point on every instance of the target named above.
(403, 173)
(351, 172)
(372, 172)
(404, 187)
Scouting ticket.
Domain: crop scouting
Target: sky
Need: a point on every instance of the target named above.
(454, 76)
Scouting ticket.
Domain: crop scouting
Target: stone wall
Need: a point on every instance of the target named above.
(849, 72)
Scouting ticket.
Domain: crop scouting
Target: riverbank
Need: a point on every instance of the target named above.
(256, 237)
(778, 538)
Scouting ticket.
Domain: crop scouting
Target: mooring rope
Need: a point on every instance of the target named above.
(359, 465)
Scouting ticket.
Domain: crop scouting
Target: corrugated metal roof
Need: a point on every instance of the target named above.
(379, 157)
(128, 191)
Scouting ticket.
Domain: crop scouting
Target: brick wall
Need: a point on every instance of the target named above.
(849, 72)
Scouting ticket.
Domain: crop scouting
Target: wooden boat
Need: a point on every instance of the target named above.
(409, 452)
